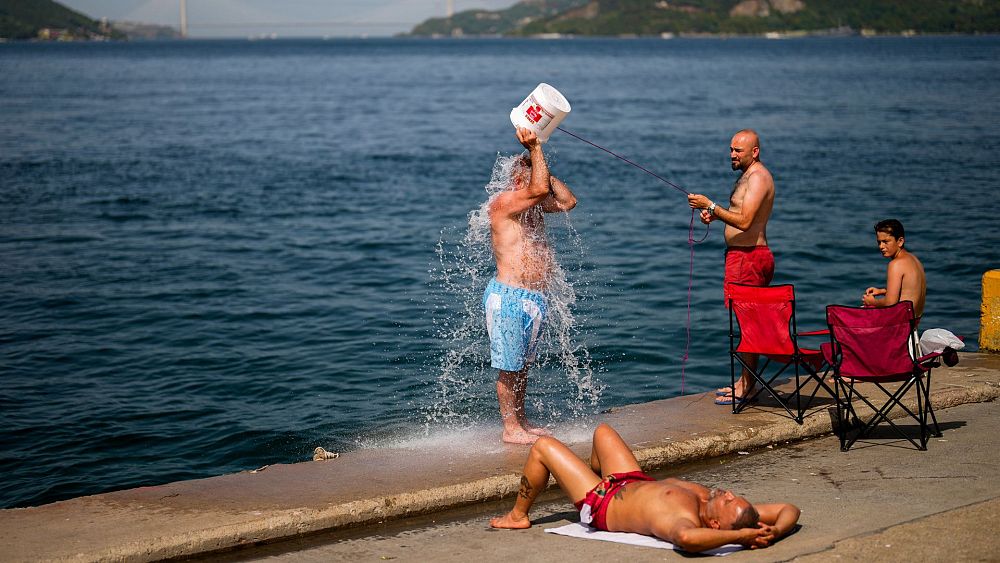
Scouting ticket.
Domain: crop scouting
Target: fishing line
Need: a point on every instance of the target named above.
(691, 241)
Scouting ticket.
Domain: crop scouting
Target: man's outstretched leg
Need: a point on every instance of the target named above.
(511, 392)
(547, 455)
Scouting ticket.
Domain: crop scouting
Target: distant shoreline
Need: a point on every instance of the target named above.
(539, 37)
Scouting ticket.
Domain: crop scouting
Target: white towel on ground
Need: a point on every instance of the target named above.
(578, 530)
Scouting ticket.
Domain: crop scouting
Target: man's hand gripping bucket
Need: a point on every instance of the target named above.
(542, 111)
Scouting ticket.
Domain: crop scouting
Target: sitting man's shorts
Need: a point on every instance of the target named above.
(749, 265)
(515, 318)
(594, 507)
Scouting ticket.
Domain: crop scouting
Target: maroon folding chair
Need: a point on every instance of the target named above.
(879, 346)
(766, 326)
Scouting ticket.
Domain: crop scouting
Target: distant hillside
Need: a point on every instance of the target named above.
(500, 22)
(138, 30)
(45, 19)
(736, 17)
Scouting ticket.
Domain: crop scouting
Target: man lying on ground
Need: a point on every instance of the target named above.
(613, 494)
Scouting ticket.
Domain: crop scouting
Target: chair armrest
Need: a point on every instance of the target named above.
(929, 357)
(830, 352)
(949, 356)
(930, 361)
(815, 332)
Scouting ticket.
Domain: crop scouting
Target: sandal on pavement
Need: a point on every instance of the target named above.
(728, 400)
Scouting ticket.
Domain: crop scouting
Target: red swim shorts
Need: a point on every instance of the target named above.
(594, 507)
(750, 265)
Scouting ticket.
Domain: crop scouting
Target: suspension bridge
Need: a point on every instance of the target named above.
(185, 25)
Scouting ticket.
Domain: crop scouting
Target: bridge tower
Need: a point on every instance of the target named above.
(184, 19)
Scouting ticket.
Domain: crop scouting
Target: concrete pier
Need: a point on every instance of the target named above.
(370, 487)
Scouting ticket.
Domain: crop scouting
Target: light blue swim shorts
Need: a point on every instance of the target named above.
(514, 319)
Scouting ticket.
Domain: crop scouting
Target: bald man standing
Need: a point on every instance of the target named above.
(748, 258)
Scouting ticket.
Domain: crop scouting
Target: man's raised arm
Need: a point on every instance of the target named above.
(692, 538)
(781, 517)
(513, 202)
(560, 197)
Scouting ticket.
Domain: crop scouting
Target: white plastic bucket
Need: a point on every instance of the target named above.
(542, 111)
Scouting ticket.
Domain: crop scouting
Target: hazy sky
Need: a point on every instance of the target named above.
(224, 18)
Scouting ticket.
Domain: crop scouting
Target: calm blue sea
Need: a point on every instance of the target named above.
(216, 255)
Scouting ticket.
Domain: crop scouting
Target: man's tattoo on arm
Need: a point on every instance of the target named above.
(525, 490)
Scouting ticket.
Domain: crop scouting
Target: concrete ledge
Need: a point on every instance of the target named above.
(368, 486)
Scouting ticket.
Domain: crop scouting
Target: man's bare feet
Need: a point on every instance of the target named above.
(510, 522)
(727, 391)
(536, 430)
(730, 395)
(741, 391)
(519, 436)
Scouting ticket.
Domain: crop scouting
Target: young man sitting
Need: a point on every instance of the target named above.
(905, 279)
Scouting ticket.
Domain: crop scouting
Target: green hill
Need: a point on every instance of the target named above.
(29, 19)
(500, 22)
(738, 17)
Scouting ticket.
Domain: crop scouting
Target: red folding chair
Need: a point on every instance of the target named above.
(879, 346)
(767, 327)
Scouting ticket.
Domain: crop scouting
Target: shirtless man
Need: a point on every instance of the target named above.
(514, 300)
(905, 279)
(613, 494)
(748, 259)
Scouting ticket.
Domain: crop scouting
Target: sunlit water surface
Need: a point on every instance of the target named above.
(218, 255)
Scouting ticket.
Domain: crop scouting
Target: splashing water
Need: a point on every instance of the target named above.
(561, 384)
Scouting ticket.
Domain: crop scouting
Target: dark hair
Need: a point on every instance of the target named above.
(747, 519)
(891, 227)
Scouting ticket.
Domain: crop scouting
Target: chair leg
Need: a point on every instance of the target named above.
(841, 428)
(847, 417)
(922, 414)
(937, 429)
(798, 396)
(882, 414)
(812, 375)
(732, 379)
(930, 409)
(762, 383)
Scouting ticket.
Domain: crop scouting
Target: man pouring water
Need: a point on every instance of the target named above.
(514, 300)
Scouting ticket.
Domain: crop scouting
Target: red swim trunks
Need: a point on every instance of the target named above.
(594, 507)
(750, 265)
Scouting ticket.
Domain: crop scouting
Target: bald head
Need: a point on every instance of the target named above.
(744, 149)
(728, 511)
(750, 136)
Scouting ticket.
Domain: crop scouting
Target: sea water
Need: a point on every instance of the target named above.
(217, 255)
